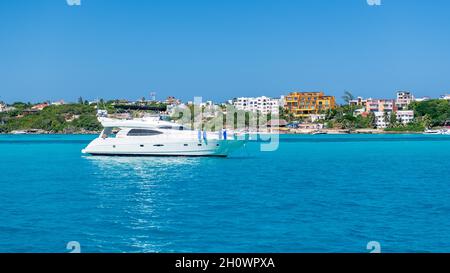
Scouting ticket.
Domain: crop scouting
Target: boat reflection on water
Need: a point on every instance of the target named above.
(144, 167)
(144, 191)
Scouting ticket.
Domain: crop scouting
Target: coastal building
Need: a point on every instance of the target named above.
(360, 112)
(405, 116)
(126, 102)
(404, 98)
(58, 103)
(380, 105)
(317, 117)
(3, 107)
(263, 105)
(359, 101)
(172, 101)
(382, 119)
(445, 97)
(422, 99)
(304, 104)
(310, 126)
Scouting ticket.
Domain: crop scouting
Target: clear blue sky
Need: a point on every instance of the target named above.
(221, 49)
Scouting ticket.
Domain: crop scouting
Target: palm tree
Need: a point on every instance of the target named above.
(427, 121)
(393, 120)
(348, 96)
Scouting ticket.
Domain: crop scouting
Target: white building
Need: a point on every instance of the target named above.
(422, 99)
(382, 119)
(445, 97)
(263, 104)
(58, 103)
(404, 98)
(316, 117)
(405, 116)
(359, 112)
(5, 108)
(359, 101)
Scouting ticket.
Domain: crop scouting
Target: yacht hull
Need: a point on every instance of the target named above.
(142, 147)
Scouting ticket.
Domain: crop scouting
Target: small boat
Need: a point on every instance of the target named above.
(19, 132)
(435, 132)
(319, 133)
(154, 136)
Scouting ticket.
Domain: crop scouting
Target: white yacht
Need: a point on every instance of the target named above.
(153, 136)
(432, 132)
(444, 131)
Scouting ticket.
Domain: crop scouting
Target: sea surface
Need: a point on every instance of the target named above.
(323, 193)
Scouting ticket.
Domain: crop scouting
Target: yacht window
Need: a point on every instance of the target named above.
(165, 127)
(181, 128)
(143, 132)
(158, 145)
(186, 145)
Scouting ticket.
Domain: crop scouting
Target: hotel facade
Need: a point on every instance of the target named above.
(383, 108)
(263, 105)
(304, 104)
(404, 98)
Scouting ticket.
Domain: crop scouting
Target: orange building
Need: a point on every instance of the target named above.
(303, 104)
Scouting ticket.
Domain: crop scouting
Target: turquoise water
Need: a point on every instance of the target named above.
(314, 194)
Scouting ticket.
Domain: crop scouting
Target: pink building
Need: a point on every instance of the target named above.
(381, 105)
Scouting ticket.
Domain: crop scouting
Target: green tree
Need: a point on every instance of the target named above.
(393, 119)
(438, 111)
(427, 121)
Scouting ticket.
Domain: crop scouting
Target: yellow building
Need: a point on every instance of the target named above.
(303, 104)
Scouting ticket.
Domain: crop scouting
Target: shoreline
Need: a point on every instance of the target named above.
(348, 132)
(293, 132)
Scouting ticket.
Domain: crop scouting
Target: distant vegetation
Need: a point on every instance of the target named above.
(78, 117)
(68, 118)
(81, 117)
(436, 112)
